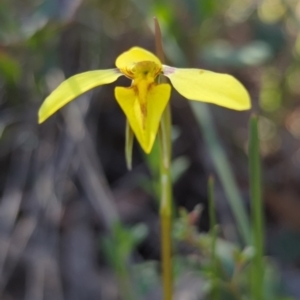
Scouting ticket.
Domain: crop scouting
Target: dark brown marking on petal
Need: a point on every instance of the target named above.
(150, 86)
(143, 106)
(144, 114)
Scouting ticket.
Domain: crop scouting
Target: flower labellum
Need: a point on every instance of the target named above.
(145, 100)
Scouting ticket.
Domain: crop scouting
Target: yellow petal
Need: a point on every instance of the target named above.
(135, 55)
(211, 87)
(71, 88)
(144, 121)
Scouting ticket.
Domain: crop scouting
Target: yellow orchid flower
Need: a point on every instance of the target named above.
(145, 100)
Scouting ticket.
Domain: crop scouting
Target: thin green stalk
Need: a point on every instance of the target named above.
(129, 137)
(257, 271)
(166, 186)
(166, 207)
(223, 169)
(213, 233)
(211, 203)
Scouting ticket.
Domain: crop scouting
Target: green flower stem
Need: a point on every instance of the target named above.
(166, 204)
(164, 136)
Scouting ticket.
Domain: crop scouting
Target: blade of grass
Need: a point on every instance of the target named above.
(211, 203)
(257, 271)
(213, 233)
(223, 169)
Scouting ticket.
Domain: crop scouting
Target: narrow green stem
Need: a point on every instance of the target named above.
(166, 186)
(257, 218)
(166, 205)
(213, 233)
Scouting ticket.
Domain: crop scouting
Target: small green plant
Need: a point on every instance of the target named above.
(231, 272)
(145, 104)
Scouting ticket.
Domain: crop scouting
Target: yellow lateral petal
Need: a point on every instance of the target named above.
(74, 86)
(135, 55)
(211, 87)
(144, 126)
